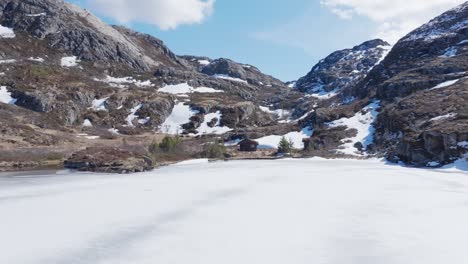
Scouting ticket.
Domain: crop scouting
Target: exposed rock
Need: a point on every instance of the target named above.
(343, 69)
(109, 160)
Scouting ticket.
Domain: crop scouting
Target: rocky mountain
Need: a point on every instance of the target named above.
(343, 69)
(420, 92)
(70, 83)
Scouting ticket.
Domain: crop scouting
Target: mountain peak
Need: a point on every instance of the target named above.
(343, 68)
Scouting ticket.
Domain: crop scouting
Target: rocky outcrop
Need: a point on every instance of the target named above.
(77, 32)
(429, 55)
(109, 160)
(343, 69)
(245, 72)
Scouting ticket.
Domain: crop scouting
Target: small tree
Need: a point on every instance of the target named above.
(168, 144)
(285, 146)
(214, 150)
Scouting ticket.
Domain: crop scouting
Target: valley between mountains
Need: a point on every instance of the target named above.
(92, 96)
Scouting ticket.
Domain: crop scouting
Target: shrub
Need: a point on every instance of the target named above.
(214, 150)
(168, 144)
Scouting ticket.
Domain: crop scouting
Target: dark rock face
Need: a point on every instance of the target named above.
(425, 57)
(426, 126)
(108, 160)
(75, 31)
(343, 69)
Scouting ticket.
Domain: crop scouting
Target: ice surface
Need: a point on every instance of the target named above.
(275, 212)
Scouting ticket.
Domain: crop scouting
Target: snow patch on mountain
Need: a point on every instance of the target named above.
(6, 32)
(122, 82)
(217, 129)
(442, 117)
(185, 88)
(38, 59)
(229, 78)
(68, 62)
(272, 141)
(363, 123)
(132, 116)
(99, 104)
(180, 115)
(5, 96)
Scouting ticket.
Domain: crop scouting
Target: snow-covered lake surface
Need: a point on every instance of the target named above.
(286, 211)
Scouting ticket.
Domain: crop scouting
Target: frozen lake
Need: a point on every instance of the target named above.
(258, 212)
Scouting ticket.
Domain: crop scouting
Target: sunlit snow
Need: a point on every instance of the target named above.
(69, 61)
(6, 32)
(180, 115)
(363, 123)
(5, 96)
(272, 141)
(227, 77)
(185, 88)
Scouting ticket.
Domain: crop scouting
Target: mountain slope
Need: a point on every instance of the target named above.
(343, 69)
(421, 87)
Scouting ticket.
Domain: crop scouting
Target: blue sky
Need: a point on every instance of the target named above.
(282, 39)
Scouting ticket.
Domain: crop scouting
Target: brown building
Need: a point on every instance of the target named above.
(248, 145)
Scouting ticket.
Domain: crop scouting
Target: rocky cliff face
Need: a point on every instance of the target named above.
(343, 69)
(77, 32)
(421, 88)
(65, 74)
(73, 72)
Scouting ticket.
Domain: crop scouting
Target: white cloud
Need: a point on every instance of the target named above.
(166, 14)
(395, 18)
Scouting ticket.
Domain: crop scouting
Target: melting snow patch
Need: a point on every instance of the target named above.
(363, 124)
(114, 131)
(281, 113)
(7, 61)
(38, 59)
(445, 84)
(204, 129)
(87, 123)
(180, 115)
(203, 62)
(121, 82)
(5, 96)
(272, 142)
(319, 93)
(36, 15)
(463, 144)
(442, 117)
(6, 32)
(133, 115)
(99, 104)
(185, 88)
(433, 164)
(227, 77)
(69, 61)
